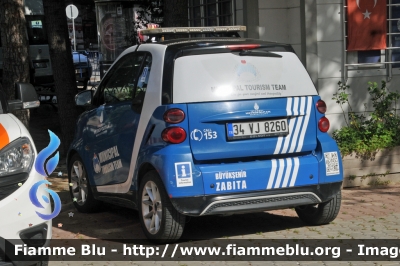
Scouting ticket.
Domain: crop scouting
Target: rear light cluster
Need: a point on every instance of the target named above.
(235, 47)
(323, 123)
(174, 135)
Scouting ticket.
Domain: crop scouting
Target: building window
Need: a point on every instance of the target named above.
(210, 13)
(386, 58)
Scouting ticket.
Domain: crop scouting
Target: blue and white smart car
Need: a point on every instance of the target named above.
(205, 126)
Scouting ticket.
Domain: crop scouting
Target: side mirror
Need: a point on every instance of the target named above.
(25, 97)
(84, 98)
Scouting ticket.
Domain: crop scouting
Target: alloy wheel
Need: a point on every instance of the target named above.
(79, 188)
(151, 207)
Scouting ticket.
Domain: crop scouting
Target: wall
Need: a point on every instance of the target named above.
(315, 30)
(330, 54)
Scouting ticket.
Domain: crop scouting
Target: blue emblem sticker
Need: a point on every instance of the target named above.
(230, 130)
(183, 173)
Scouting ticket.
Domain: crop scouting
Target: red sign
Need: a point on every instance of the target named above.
(366, 25)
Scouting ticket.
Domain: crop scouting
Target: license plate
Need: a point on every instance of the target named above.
(257, 129)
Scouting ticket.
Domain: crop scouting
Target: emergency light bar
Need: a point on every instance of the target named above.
(180, 30)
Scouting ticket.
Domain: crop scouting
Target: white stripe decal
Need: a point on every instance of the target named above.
(296, 134)
(280, 173)
(298, 125)
(278, 145)
(288, 137)
(272, 175)
(296, 106)
(295, 170)
(288, 113)
(288, 170)
(289, 106)
(303, 106)
(307, 118)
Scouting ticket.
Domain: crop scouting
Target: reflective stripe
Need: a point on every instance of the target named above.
(272, 175)
(283, 172)
(297, 126)
(305, 126)
(295, 171)
(288, 137)
(4, 139)
(289, 106)
(288, 170)
(280, 173)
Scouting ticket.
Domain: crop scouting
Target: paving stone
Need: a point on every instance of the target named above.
(365, 214)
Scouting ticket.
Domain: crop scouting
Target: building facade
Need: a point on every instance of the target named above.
(317, 30)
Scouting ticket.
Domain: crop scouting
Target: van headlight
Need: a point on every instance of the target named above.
(16, 157)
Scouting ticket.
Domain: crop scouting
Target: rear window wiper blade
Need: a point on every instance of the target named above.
(257, 53)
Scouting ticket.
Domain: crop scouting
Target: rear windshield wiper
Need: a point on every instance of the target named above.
(256, 53)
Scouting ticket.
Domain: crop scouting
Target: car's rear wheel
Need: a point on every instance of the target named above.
(80, 191)
(160, 221)
(322, 213)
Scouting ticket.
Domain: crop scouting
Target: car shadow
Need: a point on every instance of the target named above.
(119, 223)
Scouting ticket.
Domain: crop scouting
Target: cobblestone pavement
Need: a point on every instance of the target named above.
(367, 213)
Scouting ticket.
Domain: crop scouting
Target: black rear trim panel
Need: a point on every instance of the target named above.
(256, 201)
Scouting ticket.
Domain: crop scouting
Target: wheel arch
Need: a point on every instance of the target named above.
(143, 170)
(71, 153)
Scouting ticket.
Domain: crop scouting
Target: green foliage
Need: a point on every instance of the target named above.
(366, 134)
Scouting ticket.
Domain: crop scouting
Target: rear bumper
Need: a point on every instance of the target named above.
(256, 201)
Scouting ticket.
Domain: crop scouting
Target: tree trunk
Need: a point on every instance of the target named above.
(63, 68)
(15, 50)
(175, 13)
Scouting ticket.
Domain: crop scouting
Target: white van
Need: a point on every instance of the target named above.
(20, 219)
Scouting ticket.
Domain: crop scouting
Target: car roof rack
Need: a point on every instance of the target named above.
(158, 33)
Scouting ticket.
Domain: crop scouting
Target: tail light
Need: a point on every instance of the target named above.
(235, 47)
(174, 116)
(321, 106)
(323, 124)
(173, 135)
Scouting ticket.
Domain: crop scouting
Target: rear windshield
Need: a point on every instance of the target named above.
(226, 76)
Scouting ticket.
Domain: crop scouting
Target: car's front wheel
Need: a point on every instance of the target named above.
(80, 191)
(160, 221)
(322, 213)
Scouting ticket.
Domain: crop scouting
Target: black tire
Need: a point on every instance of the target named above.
(80, 191)
(322, 213)
(170, 227)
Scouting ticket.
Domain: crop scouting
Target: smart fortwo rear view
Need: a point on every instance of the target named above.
(205, 126)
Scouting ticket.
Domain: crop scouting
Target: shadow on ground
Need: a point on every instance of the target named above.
(115, 222)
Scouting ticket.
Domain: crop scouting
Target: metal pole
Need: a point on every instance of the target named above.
(73, 29)
(389, 51)
(344, 55)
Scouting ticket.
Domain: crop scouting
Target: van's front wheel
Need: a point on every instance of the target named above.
(160, 221)
(322, 213)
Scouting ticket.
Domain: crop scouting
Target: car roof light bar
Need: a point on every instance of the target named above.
(194, 30)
